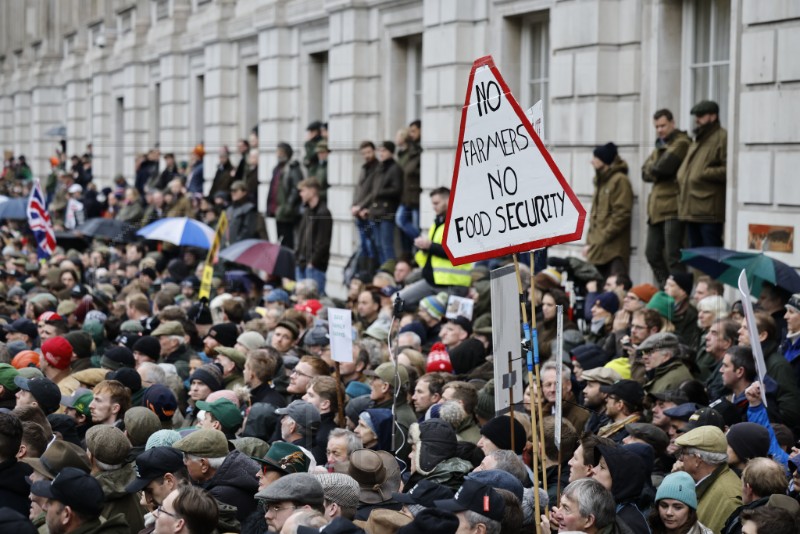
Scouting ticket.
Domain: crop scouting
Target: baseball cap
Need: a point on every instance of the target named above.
(311, 306)
(74, 488)
(44, 390)
(23, 326)
(7, 374)
(278, 295)
(79, 401)
(629, 391)
(304, 413)
(154, 463)
(682, 412)
(702, 417)
(476, 497)
(223, 411)
(385, 372)
(424, 493)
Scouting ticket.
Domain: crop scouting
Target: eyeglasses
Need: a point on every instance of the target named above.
(299, 373)
(160, 510)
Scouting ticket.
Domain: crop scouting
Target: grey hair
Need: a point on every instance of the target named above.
(152, 373)
(711, 458)
(180, 339)
(551, 366)
(592, 499)
(416, 341)
(508, 461)
(474, 519)
(353, 441)
(716, 304)
(307, 288)
(213, 463)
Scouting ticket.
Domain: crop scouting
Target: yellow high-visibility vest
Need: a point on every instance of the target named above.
(444, 272)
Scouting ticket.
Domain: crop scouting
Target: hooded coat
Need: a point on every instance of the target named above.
(668, 375)
(435, 455)
(235, 483)
(118, 500)
(628, 476)
(14, 489)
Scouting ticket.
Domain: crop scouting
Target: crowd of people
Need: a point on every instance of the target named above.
(130, 404)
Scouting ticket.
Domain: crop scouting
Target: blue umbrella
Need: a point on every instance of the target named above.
(181, 231)
(14, 209)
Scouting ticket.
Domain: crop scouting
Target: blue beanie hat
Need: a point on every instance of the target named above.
(608, 301)
(678, 486)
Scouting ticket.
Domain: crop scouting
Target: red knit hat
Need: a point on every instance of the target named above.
(644, 292)
(438, 359)
(57, 351)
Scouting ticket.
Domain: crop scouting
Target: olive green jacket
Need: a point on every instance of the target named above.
(661, 170)
(609, 233)
(702, 176)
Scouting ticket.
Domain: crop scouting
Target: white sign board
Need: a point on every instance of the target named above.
(535, 115)
(507, 193)
(459, 306)
(340, 332)
(755, 345)
(506, 340)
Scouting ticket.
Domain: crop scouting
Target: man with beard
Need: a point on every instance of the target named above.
(594, 399)
(702, 177)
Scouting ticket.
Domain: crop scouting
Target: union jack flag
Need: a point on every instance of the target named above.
(39, 221)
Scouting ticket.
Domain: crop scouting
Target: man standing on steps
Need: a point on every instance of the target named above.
(664, 231)
(362, 200)
(314, 235)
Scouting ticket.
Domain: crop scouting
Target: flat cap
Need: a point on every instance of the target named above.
(234, 355)
(169, 328)
(603, 375)
(108, 444)
(301, 488)
(661, 340)
(204, 443)
(705, 438)
(339, 488)
(705, 107)
(385, 372)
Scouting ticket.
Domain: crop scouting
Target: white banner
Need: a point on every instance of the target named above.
(506, 339)
(755, 345)
(340, 331)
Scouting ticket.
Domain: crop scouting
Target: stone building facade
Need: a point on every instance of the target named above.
(126, 74)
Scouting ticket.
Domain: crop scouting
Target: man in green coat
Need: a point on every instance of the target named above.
(704, 455)
(664, 370)
(664, 231)
(701, 179)
(608, 241)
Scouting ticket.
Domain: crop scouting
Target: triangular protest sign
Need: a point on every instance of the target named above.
(507, 193)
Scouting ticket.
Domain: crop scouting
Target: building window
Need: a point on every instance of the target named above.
(69, 44)
(160, 9)
(125, 21)
(97, 35)
(708, 26)
(318, 88)
(535, 60)
(413, 78)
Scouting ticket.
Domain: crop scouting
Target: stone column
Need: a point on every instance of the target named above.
(221, 96)
(174, 133)
(354, 115)
(77, 115)
(21, 136)
(137, 116)
(46, 108)
(102, 118)
(452, 40)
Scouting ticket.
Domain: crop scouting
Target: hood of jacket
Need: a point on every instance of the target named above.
(382, 420)
(114, 482)
(627, 472)
(617, 166)
(237, 471)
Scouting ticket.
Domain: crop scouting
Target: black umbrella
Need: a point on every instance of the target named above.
(112, 229)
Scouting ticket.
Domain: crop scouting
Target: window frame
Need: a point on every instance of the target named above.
(528, 39)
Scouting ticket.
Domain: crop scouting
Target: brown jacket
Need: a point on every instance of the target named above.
(702, 176)
(609, 233)
(661, 169)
